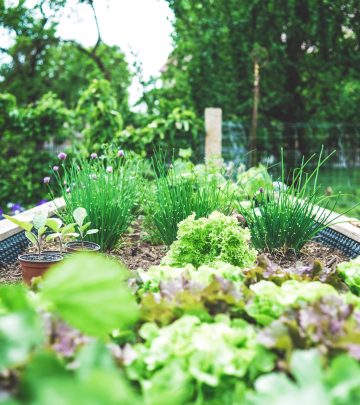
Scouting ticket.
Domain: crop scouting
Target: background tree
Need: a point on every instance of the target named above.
(313, 50)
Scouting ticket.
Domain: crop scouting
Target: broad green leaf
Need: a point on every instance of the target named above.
(20, 327)
(68, 228)
(40, 219)
(92, 231)
(54, 224)
(53, 236)
(47, 381)
(90, 293)
(31, 237)
(85, 227)
(79, 215)
(42, 230)
(23, 224)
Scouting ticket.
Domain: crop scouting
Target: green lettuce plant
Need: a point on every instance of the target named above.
(311, 382)
(206, 240)
(204, 356)
(270, 300)
(350, 273)
(253, 180)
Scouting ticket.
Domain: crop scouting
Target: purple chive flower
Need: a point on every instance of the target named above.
(109, 169)
(56, 168)
(46, 180)
(121, 153)
(94, 155)
(62, 155)
(261, 190)
(41, 202)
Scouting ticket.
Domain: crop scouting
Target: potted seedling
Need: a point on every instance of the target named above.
(35, 264)
(82, 230)
(61, 232)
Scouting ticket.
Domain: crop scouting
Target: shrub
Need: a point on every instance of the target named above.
(289, 217)
(178, 129)
(179, 195)
(23, 132)
(101, 122)
(206, 240)
(107, 189)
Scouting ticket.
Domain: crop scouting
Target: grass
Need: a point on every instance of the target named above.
(346, 182)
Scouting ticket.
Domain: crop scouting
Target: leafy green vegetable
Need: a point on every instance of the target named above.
(270, 300)
(206, 240)
(89, 292)
(337, 385)
(204, 274)
(329, 323)
(350, 272)
(20, 327)
(208, 353)
(254, 179)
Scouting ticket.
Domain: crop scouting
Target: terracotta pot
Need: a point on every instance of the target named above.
(73, 247)
(34, 265)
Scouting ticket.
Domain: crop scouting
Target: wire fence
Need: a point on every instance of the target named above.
(297, 139)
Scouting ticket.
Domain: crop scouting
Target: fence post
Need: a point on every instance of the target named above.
(213, 128)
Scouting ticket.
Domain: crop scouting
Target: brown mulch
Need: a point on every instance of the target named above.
(311, 251)
(10, 273)
(135, 252)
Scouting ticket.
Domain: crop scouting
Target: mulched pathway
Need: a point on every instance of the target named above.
(135, 252)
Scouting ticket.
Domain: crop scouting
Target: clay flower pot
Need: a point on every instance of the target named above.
(78, 246)
(35, 265)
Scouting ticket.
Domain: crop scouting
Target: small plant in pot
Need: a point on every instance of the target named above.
(35, 264)
(61, 232)
(83, 230)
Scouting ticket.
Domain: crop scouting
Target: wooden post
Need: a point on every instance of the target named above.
(213, 128)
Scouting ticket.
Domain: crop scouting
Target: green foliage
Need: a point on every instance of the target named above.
(180, 128)
(61, 232)
(96, 280)
(79, 216)
(206, 240)
(338, 384)
(270, 301)
(101, 122)
(253, 180)
(290, 217)
(107, 188)
(39, 222)
(23, 132)
(195, 353)
(350, 273)
(180, 195)
(212, 61)
(20, 328)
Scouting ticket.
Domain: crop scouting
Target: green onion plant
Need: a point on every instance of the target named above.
(107, 188)
(178, 195)
(292, 215)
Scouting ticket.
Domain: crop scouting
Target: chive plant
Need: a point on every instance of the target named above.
(291, 216)
(178, 195)
(107, 189)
